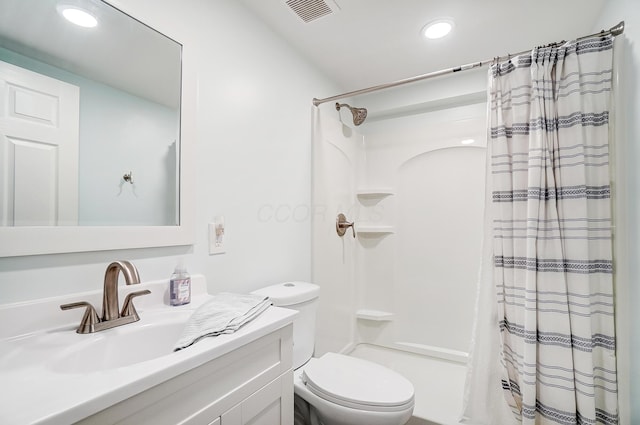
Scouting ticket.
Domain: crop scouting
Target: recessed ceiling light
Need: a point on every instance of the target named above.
(467, 141)
(437, 29)
(77, 16)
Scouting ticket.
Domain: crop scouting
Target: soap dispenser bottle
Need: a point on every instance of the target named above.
(180, 285)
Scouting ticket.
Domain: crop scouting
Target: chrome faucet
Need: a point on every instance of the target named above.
(111, 317)
(110, 292)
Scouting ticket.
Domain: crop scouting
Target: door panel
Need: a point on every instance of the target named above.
(39, 136)
(35, 174)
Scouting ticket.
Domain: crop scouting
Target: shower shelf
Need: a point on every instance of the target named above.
(374, 315)
(374, 229)
(375, 192)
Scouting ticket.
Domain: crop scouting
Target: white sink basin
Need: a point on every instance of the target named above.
(64, 351)
(126, 345)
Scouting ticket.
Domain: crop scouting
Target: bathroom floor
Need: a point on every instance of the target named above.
(438, 384)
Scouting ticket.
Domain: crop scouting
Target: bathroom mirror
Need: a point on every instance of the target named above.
(93, 131)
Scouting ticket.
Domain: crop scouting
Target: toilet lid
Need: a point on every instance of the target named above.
(357, 383)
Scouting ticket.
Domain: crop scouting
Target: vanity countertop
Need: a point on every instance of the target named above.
(35, 391)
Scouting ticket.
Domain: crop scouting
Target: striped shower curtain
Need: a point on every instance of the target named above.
(552, 247)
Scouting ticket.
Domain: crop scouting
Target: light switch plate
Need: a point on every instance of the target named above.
(216, 236)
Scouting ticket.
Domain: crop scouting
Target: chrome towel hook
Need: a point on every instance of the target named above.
(342, 225)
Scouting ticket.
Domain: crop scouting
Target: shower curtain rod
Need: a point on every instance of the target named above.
(615, 31)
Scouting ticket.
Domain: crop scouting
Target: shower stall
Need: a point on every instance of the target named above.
(400, 288)
(398, 224)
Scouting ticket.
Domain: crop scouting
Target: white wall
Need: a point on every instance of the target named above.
(122, 133)
(627, 188)
(252, 154)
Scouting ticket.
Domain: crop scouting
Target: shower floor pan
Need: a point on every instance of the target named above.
(439, 384)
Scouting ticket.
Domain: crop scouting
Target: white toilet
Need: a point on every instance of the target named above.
(336, 389)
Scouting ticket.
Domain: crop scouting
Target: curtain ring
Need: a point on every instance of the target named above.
(496, 62)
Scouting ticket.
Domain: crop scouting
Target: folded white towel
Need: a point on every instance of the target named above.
(224, 313)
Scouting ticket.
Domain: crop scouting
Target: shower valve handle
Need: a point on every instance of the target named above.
(342, 225)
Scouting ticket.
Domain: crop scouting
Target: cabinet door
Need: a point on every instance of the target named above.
(273, 404)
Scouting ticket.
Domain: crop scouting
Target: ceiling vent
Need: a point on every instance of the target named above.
(310, 10)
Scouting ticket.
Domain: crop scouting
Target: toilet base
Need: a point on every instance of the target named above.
(303, 413)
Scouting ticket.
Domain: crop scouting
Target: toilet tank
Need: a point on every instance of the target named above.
(303, 297)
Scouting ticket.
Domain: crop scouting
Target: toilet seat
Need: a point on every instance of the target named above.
(357, 384)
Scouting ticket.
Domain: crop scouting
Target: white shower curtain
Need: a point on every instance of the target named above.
(553, 324)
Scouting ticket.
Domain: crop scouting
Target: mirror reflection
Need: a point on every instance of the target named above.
(89, 117)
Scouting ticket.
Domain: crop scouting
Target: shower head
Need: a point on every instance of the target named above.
(359, 114)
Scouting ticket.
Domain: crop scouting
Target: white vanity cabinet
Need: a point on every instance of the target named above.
(253, 384)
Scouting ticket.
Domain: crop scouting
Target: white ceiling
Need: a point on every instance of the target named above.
(371, 42)
(120, 51)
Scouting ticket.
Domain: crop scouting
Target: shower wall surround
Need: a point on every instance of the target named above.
(337, 160)
(425, 272)
(416, 195)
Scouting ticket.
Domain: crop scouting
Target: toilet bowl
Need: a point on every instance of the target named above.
(346, 390)
(338, 389)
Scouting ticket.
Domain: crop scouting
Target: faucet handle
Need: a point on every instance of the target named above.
(89, 320)
(128, 309)
(342, 225)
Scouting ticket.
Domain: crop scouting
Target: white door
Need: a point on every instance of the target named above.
(39, 133)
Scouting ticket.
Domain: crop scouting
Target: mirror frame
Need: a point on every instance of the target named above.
(39, 240)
